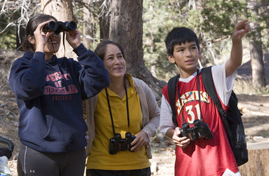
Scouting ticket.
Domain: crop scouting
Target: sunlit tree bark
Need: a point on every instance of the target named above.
(126, 27)
(256, 51)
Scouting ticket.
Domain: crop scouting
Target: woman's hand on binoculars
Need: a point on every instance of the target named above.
(141, 139)
(73, 38)
(40, 38)
(182, 142)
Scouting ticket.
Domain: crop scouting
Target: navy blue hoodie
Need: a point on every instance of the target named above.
(49, 96)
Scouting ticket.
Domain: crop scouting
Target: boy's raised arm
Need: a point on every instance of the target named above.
(240, 30)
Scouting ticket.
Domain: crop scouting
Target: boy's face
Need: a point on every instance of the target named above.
(185, 56)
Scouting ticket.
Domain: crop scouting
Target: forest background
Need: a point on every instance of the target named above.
(141, 27)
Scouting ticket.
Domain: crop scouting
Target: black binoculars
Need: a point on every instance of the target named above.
(58, 26)
(199, 130)
(120, 144)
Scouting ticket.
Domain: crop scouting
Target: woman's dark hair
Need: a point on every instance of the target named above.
(179, 35)
(100, 50)
(31, 27)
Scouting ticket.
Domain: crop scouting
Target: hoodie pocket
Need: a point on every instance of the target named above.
(65, 128)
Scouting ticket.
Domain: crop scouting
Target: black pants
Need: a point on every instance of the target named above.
(139, 172)
(34, 163)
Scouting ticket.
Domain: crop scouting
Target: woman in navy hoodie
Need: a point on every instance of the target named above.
(49, 93)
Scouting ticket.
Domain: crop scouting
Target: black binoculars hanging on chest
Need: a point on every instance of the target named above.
(120, 144)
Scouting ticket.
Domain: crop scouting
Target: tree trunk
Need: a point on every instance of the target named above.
(62, 10)
(257, 163)
(256, 52)
(104, 27)
(257, 64)
(104, 19)
(86, 26)
(126, 27)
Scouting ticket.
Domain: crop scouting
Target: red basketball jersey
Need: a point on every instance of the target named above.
(201, 157)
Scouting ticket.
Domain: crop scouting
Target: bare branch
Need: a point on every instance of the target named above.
(105, 8)
(10, 24)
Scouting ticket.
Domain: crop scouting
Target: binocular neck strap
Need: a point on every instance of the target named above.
(198, 86)
(64, 42)
(199, 93)
(178, 94)
(127, 107)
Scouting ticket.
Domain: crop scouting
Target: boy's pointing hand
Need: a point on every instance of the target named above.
(240, 30)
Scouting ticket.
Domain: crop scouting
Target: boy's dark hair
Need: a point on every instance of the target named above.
(177, 36)
(100, 50)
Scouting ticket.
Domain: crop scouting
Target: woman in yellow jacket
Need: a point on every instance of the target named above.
(121, 119)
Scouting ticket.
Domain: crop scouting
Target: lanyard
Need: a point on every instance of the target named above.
(198, 86)
(127, 107)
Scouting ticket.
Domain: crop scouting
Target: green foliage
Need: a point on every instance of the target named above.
(213, 22)
(159, 18)
(8, 39)
(258, 15)
(7, 35)
(220, 15)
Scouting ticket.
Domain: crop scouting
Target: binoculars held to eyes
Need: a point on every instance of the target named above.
(199, 130)
(120, 144)
(58, 26)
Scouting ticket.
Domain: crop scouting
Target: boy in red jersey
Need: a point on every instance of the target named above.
(200, 157)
